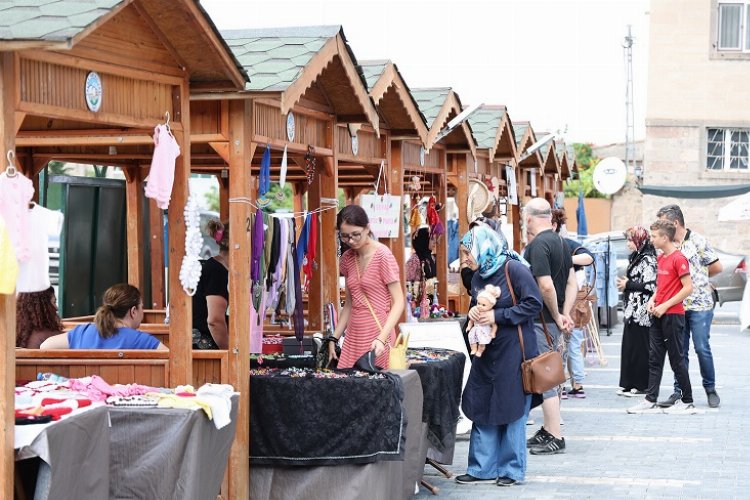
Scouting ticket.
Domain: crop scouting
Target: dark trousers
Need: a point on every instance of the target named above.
(665, 337)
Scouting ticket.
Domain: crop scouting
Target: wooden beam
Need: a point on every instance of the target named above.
(222, 149)
(134, 208)
(43, 139)
(240, 296)
(8, 83)
(292, 147)
(180, 304)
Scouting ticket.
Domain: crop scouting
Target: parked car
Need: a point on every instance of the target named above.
(728, 285)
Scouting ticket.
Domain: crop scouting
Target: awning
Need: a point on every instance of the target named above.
(696, 192)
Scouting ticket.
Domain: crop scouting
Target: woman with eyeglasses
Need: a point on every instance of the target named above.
(114, 327)
(374, 294)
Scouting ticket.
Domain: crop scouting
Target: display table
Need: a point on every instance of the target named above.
(109, 452)
(441, 374)
(382, 479)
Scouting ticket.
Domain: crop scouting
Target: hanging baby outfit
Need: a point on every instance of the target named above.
(161, 175)
(15, 194)
(33, 275)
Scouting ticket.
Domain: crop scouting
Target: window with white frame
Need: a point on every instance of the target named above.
(734, 26)
(728, 149)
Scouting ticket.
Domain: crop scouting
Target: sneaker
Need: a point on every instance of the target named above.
(564, 394)
(676, 396)
(540, 437)
(469, 479)
(681, 408)
(644, 406)
(552, 447)
(577, 393)
(713, 399)
(630, 393)
(505, 481)
(530, 421)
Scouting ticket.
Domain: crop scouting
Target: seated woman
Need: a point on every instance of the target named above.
(36, 318)
(114, 325)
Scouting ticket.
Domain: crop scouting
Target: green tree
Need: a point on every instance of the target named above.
(58, 168)
(211, 198)
(586, 162)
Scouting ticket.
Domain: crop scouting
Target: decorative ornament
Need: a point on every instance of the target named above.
(290, 127)
(416, 183)
(190, 271)
(93, 91)
(310, 162)
(421, 156)
(355, 145)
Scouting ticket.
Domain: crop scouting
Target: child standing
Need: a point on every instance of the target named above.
(673, 285)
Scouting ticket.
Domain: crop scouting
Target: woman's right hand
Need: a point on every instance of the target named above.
(332, 350)
(621, 282)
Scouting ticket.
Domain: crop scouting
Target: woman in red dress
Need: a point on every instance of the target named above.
(374, 293)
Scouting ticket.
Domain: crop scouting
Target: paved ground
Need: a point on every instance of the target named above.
(611, 454)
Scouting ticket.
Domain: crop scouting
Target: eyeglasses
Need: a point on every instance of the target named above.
(350, 237)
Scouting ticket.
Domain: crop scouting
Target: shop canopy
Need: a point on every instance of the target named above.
(696, 192)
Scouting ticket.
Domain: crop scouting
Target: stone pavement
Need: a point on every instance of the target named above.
(611, 454)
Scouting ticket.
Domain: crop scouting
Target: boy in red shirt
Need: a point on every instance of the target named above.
(673, 285)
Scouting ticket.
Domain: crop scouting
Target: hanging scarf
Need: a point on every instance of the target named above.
(432, 216)
(308, 262)
(256, 249)
(277, 280)
(264, 178)
(421, 244)
(290, 299)
(488, 249)
(299, 317)
(282, 173)
(275, 249)
(639, 236)
(302, 242)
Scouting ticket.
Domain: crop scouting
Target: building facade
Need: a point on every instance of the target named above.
(698, 118)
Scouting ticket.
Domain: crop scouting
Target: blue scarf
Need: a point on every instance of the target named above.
(489, 250)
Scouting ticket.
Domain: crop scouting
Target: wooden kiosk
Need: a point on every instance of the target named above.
(449, 154)
(530, 166)
(551, 171)
(136, 61)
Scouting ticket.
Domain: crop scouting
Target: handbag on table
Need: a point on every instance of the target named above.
(543, 372)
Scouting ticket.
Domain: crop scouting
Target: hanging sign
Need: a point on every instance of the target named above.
(92, 91)
(384, 212)
(355, 144)
(421, 156)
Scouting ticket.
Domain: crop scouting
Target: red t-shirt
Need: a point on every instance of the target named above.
(670, 269)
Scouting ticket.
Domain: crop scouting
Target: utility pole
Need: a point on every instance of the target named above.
(629, 116)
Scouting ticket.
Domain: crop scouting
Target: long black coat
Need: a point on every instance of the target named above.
(494, 392)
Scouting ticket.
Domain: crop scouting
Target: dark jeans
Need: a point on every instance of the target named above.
(699, 323)
(665, 337)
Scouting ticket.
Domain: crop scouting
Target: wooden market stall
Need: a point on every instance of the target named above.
(305, 82)
(529, 165)
(400, 120)
(449, 155)
(88, 82)
(550, 173)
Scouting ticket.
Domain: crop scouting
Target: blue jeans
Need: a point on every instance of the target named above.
(699, 323)
(499, 450)
(575, 356)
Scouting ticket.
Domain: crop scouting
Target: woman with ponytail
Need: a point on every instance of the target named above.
(114, 327)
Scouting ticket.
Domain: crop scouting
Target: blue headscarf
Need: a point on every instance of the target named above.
(489, 249)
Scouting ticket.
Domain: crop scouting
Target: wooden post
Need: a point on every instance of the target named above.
(180, 304)
(315, 298)
(462, 198)
(156, 237)
(224, 197)
(441, 245)
(134, 207)
(396, 184)
(328, 262)
(515, 215)
(8, 83)
(240, 295)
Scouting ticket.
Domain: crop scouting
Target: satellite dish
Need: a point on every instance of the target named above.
(478, 200)
(610, 175)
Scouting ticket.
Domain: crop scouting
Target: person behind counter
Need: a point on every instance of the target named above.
(114, 327)
(374, 297)
(36, 318)
(210, 330)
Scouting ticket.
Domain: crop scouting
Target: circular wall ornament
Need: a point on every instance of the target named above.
(290, 126)
(421, 156)
(355, 145)
(92, 91)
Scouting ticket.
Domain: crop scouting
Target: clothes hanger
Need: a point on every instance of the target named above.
(166, 124)
(10, 170)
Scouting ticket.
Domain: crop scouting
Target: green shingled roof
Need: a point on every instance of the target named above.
(571, 154)
(519, 129)
(544, 149)
(430, 101)
(484, 124)
(559, 149)
(372, 71)
(274, 58)
(50, 20)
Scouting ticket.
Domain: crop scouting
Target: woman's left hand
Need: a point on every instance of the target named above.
(481, 318)
(378, 347)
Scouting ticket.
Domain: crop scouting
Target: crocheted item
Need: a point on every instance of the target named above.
(190, 271)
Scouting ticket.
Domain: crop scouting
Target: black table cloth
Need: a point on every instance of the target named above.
(298, 418)
(441, 374)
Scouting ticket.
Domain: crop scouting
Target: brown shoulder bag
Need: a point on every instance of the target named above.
(583, 307)
(543, 372)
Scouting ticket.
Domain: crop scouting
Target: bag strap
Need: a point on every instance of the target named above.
(513, 296)
(367, 301)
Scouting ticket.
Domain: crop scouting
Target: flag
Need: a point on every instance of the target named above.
(583, 229)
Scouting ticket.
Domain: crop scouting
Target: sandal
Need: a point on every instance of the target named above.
(577, 393)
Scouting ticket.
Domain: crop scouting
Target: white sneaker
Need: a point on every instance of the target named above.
(644, 406)
(530, 421)
(681, 408)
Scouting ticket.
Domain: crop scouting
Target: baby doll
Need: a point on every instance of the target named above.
(481, 335)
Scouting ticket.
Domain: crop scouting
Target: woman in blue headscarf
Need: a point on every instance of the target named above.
(494, 399)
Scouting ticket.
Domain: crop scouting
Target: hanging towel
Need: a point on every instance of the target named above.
(264, 178)
(161, 175)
